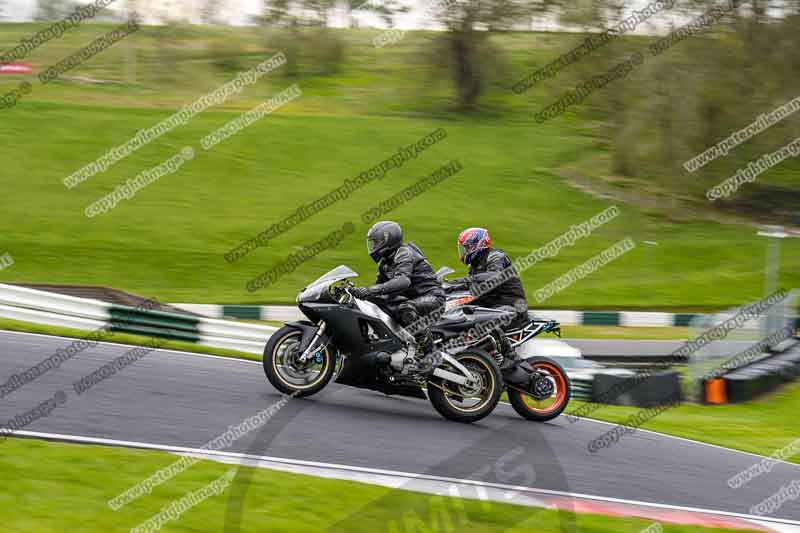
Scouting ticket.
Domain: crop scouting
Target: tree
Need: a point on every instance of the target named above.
(697, 93)
(465, 51)
(210, 10)
(387, 10)
(295, 13)
(52, 9)
(131, 51)
(300, 29)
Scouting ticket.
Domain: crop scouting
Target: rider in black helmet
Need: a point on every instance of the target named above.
(406, 285)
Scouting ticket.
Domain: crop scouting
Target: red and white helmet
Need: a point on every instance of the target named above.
(470, 242)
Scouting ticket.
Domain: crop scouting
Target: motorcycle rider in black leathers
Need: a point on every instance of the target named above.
(406, 286)
(494, 281)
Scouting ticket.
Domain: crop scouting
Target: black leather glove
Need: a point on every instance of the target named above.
(363, 293)
(455, 284)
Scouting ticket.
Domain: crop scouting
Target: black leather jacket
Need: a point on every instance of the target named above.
(488, 265)
(406, 272)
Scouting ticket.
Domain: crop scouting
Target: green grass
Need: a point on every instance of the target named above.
(168, 241)
(122, 338)
(65, 487)
(762, 426)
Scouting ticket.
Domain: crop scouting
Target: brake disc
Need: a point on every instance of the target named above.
(542, 388)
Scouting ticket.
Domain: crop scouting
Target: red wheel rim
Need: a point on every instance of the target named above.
(559, 396)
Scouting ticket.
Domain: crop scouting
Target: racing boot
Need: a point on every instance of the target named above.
(516, 371)
(377, 360)
(426, 361)
(430, 358)
(510, 356)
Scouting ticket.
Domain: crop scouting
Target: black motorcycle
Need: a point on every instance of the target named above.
(357, 343)
(538, 387)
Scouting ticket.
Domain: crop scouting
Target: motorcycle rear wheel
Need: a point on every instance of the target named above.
(448, 398)
(291, 376)
(529, 407)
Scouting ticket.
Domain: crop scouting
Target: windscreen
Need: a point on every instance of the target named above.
(340, 272)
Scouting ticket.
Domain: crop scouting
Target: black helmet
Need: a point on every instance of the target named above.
(382, 238)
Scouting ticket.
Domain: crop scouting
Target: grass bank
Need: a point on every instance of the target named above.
(168, 241)
(761, 426)
(65, 487)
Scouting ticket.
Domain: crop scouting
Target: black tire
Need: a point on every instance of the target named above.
(523, 409)
(280, 382)
(490, 371)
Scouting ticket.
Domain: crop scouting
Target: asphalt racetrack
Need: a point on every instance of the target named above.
(179, 399)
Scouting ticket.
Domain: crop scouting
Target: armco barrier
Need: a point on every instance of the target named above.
(49, 319)
(43, 307)
(286, 313)
(14, 296)
(582, 389)
(154, 323)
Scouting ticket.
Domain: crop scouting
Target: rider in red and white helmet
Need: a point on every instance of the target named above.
(492, 279)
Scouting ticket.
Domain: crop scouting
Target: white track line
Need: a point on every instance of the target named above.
(392, 473)
(248, 361)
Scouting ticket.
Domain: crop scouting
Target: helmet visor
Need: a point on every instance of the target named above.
(375, 243)
(462, 252)
(466, 252)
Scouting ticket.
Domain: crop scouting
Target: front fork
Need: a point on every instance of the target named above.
(311, 348)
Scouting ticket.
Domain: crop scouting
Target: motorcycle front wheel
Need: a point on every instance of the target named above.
(468, 403)
(287, 373)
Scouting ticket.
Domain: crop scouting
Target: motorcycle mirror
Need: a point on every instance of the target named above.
(442, 272)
